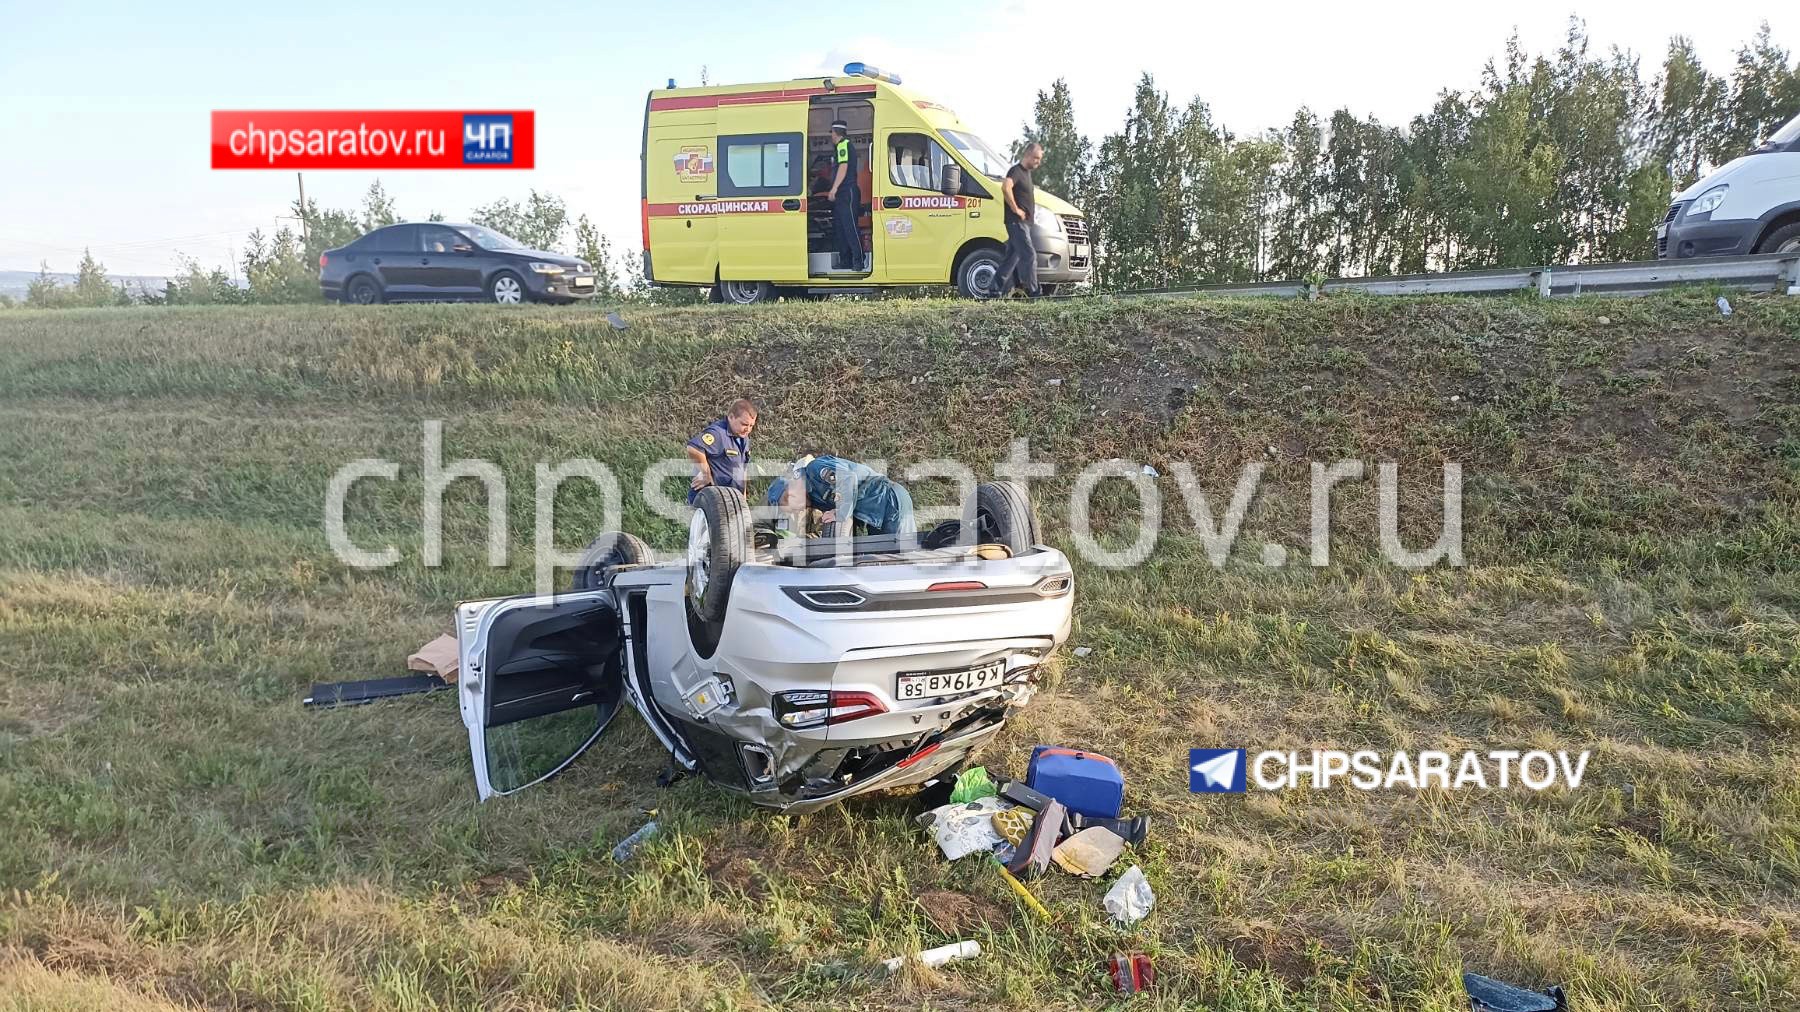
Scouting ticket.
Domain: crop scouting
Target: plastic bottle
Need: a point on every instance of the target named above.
(630, 844)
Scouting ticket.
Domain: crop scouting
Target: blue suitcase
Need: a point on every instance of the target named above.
(1084, 782)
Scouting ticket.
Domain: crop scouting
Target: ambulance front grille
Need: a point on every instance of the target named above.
(1075, 228)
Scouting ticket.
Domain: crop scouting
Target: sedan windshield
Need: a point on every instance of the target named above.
(487, 238)
(985, 159)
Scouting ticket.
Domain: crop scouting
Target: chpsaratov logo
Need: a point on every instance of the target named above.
(487, 138)
(1216, 770)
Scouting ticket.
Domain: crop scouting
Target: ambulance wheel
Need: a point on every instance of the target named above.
(1003, 516)
(743, 293)
(718, 543)
(975, 278)
(605, 554)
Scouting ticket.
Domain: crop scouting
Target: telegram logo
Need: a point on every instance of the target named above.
(1216, 770)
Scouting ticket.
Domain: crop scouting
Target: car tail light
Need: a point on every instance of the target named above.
(323, 260)
(805, 708)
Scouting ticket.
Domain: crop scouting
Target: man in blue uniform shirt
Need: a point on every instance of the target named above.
(883, 506)
(721, 451)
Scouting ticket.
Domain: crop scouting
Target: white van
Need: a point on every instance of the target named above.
(1748, 205)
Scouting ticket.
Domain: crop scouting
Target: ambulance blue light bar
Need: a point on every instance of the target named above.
(864, 70)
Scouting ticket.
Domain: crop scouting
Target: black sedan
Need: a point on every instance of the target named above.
(437, 261)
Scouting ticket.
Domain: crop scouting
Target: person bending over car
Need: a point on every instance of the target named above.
(883, 506)
(721, 451)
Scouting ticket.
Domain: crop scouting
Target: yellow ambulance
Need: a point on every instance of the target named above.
(735, 176)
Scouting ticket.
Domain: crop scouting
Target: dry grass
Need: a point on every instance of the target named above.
(179, 834)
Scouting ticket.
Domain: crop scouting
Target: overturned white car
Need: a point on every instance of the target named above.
(797, 671)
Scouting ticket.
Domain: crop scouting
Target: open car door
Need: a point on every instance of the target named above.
(541, 677)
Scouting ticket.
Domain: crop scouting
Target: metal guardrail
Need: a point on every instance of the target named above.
(1766, 272)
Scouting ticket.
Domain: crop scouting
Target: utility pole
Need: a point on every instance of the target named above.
(302, 180)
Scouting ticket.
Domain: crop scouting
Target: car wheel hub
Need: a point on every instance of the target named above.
(741, 291)
(506, 290)
(982, 275)
(1791, 246)
(699, 550)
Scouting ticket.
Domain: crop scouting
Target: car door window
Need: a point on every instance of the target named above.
(398, 239)
(438, 239)
(917, 162)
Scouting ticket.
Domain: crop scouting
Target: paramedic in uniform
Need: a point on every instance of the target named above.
(844, 198)
(883, 506)
(721, 451)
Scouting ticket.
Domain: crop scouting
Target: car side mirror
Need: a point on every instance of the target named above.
(462, 247)
(952, 180)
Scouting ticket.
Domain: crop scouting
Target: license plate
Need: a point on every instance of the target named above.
(584, 282)
(1662, 231)
(1081, 251)
(930, 684)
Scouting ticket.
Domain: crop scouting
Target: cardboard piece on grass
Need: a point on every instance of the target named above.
(1089, 853)
(438, 657)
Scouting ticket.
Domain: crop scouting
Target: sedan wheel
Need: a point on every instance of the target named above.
(507, 290)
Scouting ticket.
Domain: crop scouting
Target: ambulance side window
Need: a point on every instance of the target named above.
(917, 162)
(761, 165)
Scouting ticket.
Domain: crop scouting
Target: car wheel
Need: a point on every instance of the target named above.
(744, 293)
(718, 542)
(364, 291)
(1785, 239)
(506, 288)
(1003, 516)
(606, 554)
(975, 278)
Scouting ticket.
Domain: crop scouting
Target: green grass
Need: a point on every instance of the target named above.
(178, 833)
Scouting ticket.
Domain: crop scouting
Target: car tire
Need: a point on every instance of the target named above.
(976, 275)
(743, 293)
(604, 556)
(718, 543)
(1003, 515)
(1785, 239)
(363, 291)
(507, 289)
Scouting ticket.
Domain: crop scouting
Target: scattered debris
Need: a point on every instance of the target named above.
(1023, 893)
(1134, 830)
(1604, 320)
(1455, 397)
(439, 656)
(617, 321)
(629, 846)
(966, 829)
(973, 784)
(938, 956)
(1014, 824)
(1086, 782)
(324, 695)
(1089, 852)
(1083, 651)
(1054, 382)
(1489, 995)
(1131, 972)
(1724, 305)
(1034, 854)
(1130, 899)
(1151, 472)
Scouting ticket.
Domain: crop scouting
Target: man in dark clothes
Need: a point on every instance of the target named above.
(1021, 252)
(721, 451)
(845, 199)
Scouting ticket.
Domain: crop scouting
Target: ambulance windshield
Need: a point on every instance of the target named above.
(976, 150)
(1786, 135)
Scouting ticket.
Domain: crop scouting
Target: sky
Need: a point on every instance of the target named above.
(105, 106)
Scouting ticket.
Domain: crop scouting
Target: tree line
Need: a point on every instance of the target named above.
(1553, 158)
(1567, 156)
